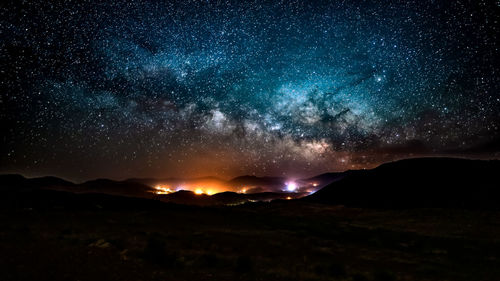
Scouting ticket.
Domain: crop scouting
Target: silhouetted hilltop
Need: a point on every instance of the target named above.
(50, 181)
(12, 182)
(115, 187)
(223, 198)
(325, 178)
(46, 199)
(18, 182)
(251, 184)
(422, 182)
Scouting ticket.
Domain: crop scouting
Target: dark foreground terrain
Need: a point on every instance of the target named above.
(418, 219)
(51, 235)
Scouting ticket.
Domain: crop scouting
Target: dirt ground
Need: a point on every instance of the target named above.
(260, 241)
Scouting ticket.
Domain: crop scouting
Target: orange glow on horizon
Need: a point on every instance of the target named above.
(200, 191)
(211, 187)
(163, 189)
(208, 187)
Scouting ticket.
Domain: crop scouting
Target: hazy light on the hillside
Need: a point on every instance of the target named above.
(291, 186)
(162, 189)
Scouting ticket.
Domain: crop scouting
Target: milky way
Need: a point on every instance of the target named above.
(192, 88)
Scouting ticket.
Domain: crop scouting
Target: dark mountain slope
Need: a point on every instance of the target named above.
(323, 180)
(115, 187)
(422, 182)
(18, 182)
(12, 182)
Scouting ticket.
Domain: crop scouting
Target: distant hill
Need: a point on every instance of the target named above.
(325, 179)
(115, 187)
(19, 183)
(223, 198)
(252, 184)
(50, 182)
(13, 181)
(46, 199)
(421, 182)
(15, 184)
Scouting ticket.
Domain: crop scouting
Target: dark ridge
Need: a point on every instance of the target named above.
(50, 181)
(105, 186)
(222, 198)
(226, 194)
(45, 199)
(326, 178)
(115, 187)
(12, 181)
(420, 182)
(185, 197)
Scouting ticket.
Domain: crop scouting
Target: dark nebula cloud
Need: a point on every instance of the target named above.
(192, 88)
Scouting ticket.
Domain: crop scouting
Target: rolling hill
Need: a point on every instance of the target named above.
(421, 182)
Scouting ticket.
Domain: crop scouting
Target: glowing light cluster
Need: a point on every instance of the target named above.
(209, 188)
(200, 191)
(196, 186)
(162, 189)
(291, 186)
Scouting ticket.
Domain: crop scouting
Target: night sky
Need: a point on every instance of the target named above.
(225, 88)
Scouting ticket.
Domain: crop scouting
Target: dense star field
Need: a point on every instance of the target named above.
(194, 88)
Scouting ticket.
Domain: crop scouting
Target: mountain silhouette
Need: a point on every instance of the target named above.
(420, 182)
(115, 187)
(18, 182)
(46, 186)
(325, 179)
(223, 198)
(13, 182)
(410, 183)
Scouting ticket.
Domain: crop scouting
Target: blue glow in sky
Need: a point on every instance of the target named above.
(191, 88)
